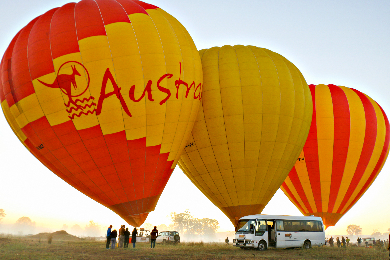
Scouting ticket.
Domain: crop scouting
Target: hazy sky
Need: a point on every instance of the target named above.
(340, 42)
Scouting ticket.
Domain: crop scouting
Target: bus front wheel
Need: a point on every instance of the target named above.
(307, 244)
(262, 246)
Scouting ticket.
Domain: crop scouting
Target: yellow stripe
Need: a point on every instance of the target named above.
(301, 168)
(356, 141)
(379, 142)
(325, 135)
(12, 122)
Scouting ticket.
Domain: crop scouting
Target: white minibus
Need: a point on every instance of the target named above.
(263, 231)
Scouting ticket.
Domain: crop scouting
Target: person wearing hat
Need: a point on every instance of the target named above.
(121, 236)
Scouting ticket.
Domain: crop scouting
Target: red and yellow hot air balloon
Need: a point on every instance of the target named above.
(255, 116)
(105, 94)
(348, 144)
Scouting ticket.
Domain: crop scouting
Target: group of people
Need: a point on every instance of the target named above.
(343, 243)
(124, 237)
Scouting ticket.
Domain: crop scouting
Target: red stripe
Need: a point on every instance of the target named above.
(292, 198)
(63, 37)
(145, 5)
(298, 187)
(88, 20)
(21, 85)
(4, 79)
(311, 156)
(341, 140)
(368, 146)
(131, 7)
(112, 12)
(379, 164)
(39, 54)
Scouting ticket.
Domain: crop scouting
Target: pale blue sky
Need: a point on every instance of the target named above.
(340, 42)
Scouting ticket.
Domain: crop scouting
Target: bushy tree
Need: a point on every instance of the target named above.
(2, 214)
(186, 224)
(65, 227)
(182, 221)
(93, 229)
(354, 230)
(147, 226)
(24, 225)
(76, 230)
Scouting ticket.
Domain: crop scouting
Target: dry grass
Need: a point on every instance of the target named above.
(22, 248)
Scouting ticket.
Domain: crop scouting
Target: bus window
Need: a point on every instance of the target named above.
(314, 225)
(248, 226)
(279, 225)
(302, 225)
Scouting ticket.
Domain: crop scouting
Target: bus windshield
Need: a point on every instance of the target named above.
(246, 225)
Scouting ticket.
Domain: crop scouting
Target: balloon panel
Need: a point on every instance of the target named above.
(345, 150)
(253, 122)
(105, 94)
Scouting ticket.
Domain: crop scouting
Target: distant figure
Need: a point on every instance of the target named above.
(50, 238)
(359, 240)
(338, 242)
(347, 240)
(108, 237)
(331, 241)
(227, 240)
(127, 236)
(153, 237)
(343, 241)
(114, 234)
(134, 236)
(121, 236)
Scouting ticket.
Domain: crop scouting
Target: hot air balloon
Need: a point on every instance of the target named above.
(104, 93)
(254, 119)
(345, 150)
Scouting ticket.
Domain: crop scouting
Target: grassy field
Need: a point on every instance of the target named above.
(22, 248)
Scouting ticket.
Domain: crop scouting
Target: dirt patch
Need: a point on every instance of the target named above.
(61, 235)
(4, 240)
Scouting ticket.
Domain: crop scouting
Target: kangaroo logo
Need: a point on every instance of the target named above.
(68, 84)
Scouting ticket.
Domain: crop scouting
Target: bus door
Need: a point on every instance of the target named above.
(261, 230)
(280, 234)
(271, 233)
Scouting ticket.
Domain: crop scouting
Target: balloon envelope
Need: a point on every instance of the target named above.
(346, 148)
(99, 91)
(253, 122)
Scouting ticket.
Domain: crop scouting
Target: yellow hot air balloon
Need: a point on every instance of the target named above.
(254, 120)
(104, 93)
(348, 144)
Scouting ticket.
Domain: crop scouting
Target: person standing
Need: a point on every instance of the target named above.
(127, 236)
(114, 234)
(331, 241)
(134, 236)
(108, 237)
(338, 242)
(343, 241)
(347, 240)
(121, 236)
(153, 237)
(359, 240)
